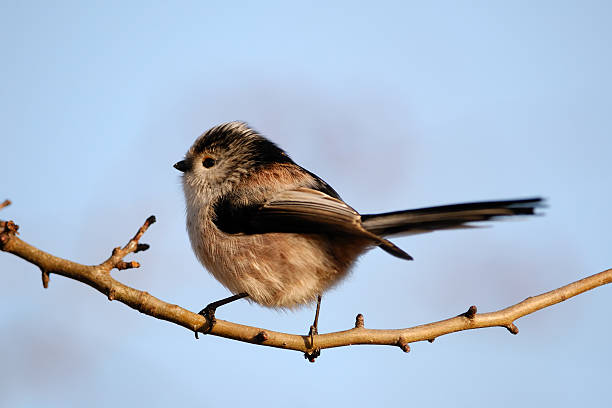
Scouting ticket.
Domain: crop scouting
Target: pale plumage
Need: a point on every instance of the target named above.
(266, 227)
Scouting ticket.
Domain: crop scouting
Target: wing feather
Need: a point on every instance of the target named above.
(301, 210)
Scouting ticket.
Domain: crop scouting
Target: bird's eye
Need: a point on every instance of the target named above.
(208, 162)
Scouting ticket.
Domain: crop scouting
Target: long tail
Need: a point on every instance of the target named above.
(445, 217)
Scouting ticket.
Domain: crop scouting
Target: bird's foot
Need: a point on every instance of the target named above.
(315, 352)
(209, 313)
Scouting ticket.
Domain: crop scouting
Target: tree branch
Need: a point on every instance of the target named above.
(99, 277)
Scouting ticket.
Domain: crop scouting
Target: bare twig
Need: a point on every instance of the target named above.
(99, 277)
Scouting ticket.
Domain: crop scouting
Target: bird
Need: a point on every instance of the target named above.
(277, 234)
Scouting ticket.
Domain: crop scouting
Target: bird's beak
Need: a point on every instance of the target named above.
(183, 165)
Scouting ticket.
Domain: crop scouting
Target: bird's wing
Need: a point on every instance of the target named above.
(307, 210)
(302, 210)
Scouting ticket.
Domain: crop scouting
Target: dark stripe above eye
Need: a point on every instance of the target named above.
(238, 137)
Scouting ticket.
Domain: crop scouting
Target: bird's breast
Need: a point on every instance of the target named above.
(275, 269)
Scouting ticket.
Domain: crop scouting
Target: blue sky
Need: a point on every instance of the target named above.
(396, 105)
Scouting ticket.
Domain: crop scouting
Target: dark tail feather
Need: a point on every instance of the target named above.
(390, 248)
(446, 217)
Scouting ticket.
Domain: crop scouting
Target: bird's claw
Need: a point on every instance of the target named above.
(316, 352)
(209, 313)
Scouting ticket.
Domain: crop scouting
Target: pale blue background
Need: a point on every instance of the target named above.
(395, 104)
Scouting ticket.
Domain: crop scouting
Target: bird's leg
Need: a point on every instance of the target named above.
(314, 330)
(209, 311)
